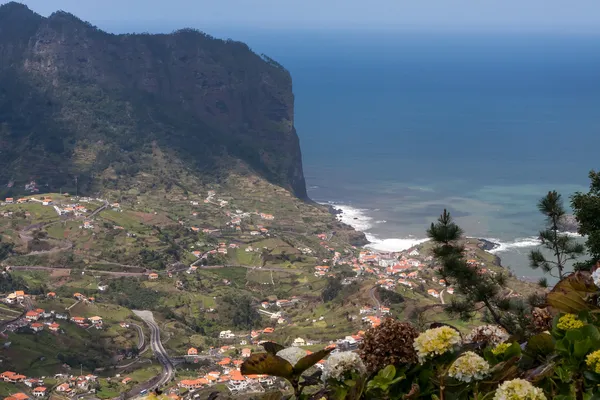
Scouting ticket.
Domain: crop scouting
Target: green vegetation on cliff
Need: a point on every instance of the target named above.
(81, 104)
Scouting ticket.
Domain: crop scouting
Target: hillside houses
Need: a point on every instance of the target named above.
(388, 284)
(405, 283)
(15, 296)
(373, 321)
(70, 386)
(233, 378)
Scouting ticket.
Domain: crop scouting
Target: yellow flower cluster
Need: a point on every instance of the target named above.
(569, 321)
(500, 349)
(436, 341)
(468, 367)
(519, 389)
(593, 361)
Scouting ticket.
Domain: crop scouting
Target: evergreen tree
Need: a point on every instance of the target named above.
(476, 291)
(587, 211)
(562, 246)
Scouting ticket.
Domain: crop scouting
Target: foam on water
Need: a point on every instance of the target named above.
(359, 220)
(515, 244)
(392, 244)
(355, 217)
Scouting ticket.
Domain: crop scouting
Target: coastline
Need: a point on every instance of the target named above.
(359, 219)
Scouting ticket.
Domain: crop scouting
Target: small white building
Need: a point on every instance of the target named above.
(299, 342)
(226, 335)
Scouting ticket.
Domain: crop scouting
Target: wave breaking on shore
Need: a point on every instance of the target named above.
(361, 221)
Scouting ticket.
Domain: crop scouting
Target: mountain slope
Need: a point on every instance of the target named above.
(79, 102)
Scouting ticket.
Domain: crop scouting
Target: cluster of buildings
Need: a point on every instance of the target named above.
(322, 270)
(70, 386)
(75, 209)
(38, 319)
(76, 384)
(37, 385)
(232, 377)
(85, 323)
(228, 335)
(281, 303)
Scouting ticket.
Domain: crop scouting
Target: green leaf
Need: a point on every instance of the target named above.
(574, 335)
(590, 331)
(571, 294)
(540, 345)
(267, 364)
(398, 379)
(563, 374)
(591, 376)
(388, 373)
(308, 361)
(562, 346)
(582, 348)
(513, 351)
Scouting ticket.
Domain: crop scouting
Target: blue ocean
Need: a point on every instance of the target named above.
(397, 126)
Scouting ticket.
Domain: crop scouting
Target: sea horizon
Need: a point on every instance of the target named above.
(396, 128)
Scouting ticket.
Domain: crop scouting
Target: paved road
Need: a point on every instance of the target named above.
(442, 296)
(273, 269)
(96, 211)
(375, 300)
(91, 271)
(141, 339)
(159, 351)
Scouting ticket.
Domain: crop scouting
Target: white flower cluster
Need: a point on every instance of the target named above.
(436, 341)
(596, 277)
(468, 367)
(292, 354)
(519, 389)
(491, 334)
(339, 364)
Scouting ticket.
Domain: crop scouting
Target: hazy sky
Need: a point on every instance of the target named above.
(571, 16)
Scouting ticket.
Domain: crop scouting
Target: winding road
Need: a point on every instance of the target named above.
(99, 209)
(140, 332)
(158, 349)
(375, 300)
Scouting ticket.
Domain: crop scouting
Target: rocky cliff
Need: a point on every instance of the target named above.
(77, 102)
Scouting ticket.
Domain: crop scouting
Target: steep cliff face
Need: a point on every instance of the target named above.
(76, 101)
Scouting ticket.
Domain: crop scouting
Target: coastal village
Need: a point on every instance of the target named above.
(412, 270)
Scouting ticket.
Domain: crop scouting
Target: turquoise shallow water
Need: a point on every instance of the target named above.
(400, 126)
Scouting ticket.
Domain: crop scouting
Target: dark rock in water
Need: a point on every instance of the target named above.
(568, 223)
(334, 211)
(486, 245)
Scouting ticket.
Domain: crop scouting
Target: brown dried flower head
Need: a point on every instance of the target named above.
(541, 319)
(487, 335)
(391, 343)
